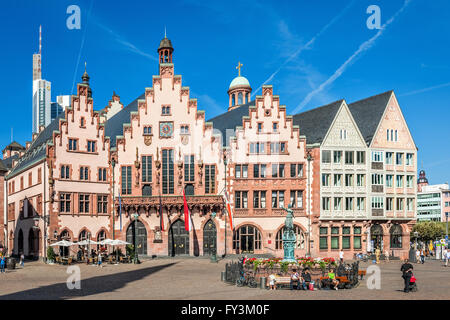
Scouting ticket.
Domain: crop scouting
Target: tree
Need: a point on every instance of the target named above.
(429, 230)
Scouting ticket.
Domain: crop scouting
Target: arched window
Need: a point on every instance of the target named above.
(233, 99)
(240, 98)
(101, 236)
(300, 236)
(247, 239)
(65, 235)
(396, 236)
(82, 236)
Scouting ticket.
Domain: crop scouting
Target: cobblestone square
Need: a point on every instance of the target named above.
(199, 279)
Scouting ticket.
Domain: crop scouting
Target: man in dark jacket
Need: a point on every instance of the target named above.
(406, 269)
(306, 275)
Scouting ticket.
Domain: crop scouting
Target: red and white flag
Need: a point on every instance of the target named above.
(230, 213)
(187, 215)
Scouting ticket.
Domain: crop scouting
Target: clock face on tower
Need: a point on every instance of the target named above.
(166, 129)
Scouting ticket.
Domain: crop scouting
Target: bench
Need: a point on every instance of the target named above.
(343, 281)
(361, 273)
(280, 282)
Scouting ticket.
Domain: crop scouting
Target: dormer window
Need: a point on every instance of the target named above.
(343, 134)
(148, 131)
(275, 127)
(165, 110)
(82, 123)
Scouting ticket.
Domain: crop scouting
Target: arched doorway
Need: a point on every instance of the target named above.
(20, 242)
(33, 243)
(247, 239)
(64, 251)
(101, 236)
(396, 236)
(376, 236)
(136, 233)
(209, 238)
(299, 235)
(178, 239)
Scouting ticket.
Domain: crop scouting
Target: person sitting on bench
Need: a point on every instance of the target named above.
(295, 280)
(333, 281)
(306, 276)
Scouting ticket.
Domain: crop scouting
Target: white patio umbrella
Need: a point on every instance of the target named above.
(118, 242)
(86, 242)
(62, 243)
(106, 242)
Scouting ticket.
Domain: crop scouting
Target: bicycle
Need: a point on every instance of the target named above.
(246, 279)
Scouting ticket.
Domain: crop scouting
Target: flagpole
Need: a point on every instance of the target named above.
(225, 175)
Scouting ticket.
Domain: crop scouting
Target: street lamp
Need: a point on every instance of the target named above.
(135, 216)
(309, 158)
(113, 164)
(214, 253)
(416, 234)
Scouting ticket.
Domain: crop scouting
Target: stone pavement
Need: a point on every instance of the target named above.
(198, 279)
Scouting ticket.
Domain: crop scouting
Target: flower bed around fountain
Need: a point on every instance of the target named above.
(265, 267)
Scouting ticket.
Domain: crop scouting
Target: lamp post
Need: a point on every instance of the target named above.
(309, 159)
(113, 164)
(416, 234)
(135, 216)
(89, 244)
(225, 162)
(214, 253)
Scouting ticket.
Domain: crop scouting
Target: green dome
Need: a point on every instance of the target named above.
(239, 81)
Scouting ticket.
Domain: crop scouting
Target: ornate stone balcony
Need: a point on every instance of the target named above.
(203, 203)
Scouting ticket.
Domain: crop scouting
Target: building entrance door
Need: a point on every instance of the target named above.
(137, 232)
(376, 235)
(209, 238)
(178, 239)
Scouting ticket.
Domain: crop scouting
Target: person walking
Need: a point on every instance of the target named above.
(341, 256)
(446, 255)
(406, 270)
(100, 260)
(422, 256)
(2, 264)
(386, 255)
(417, 256)
(377, 255)
(22, 260)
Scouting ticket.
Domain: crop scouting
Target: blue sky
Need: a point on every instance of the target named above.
(313, 52)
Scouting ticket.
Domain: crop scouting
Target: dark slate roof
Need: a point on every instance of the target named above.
(37, 150)
(231, 120)
(368, 112)
(8, 161)
(114, 126)
(3, 168)
(14, 146)
(315, 123)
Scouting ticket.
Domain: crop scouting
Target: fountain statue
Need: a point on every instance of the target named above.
(289, 237)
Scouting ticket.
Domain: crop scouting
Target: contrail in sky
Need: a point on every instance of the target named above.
(425, 89)
(82, 46)
(363, 47)
(306, 46)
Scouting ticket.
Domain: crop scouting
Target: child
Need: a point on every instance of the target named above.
(272, 280)
(2, 264)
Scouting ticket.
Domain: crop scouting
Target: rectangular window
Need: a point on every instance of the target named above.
(296, 170)
(257, 147)
(356, 230)
(260, 126)
(277, 170)
(337, 156)
(338, 180)
(360, 204)
(91, 146)
(147, 130)
(360, 157)
(126, 180)
(349, 157)
(275, 127)
(64, 202)
(259, 170)
(210, 179)
(377, 179)
(184, 129)
(325, 179)
(409, 181)
(326, 203)
(277, 147)
(349, 180)
(323, 230)
(39, 175)
(167, 171)
(409, 159)
(73, 144)
(389, 180)
(356, 242)
(389, 156)
(84, 173)
(399, 159)
(410, 204)
(334, 230)
(102, 204)
(241, 201)
(296, 199)
(346, 242)
(326, 156)
(389, 204)
(189, 168)
(334, 243)
(338, 204)
(324, 243)
(147, 168)
(349, 204)
(83, 203)
(377, 156)
(360, 180)
(400, 204)
(165, 110)
(277, 199)
(259, 199)
(102, 174)
(377, 203)
(399, 181)
(65, 172)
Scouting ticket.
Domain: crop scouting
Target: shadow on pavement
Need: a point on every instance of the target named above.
(91, 286)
